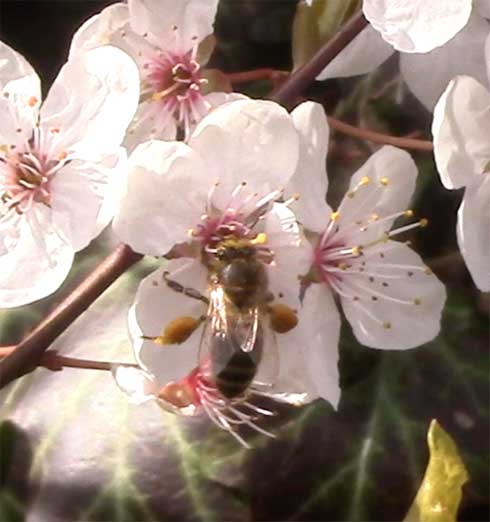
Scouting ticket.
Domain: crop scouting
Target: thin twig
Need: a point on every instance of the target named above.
(300, 79)
(55, 362)
(29, 352)
(376, 137)
(265, 73)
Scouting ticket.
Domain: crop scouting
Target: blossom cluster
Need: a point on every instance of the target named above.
(232, 191)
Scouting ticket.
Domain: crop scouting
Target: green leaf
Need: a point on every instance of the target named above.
(316, 24)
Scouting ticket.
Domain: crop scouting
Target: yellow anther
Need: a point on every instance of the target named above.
(32, 101)
(423, 222)
(428, 271)
(387, 325)
(409, 213)
(191, 232)
(4, 148)
(417, 301)
(374, 217)
(343, 266)
(261, 239)
(350, 194)
(334, 216)
(384, 181)
(356, 251)
(365, 180)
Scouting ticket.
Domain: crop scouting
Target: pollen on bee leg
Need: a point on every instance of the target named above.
(283, 318)
(177, 331)
(177, 394)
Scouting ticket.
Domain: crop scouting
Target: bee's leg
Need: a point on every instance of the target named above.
(189, 292)
(282, 317)
(177, 331)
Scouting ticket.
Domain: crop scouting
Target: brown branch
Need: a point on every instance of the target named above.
(376, 137)
(301, 79)
(29, 352)
(265, 73)
(55, 362)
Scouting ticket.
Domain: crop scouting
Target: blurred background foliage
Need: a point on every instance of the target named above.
(72, 448)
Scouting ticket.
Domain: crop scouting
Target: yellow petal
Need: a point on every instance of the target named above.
(440, 493)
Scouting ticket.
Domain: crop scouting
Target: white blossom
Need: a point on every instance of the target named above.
(58, 164)
(427, 72)
(170, 41)
(417, 26)
(391, 299)
(461, 129)
(223, 183)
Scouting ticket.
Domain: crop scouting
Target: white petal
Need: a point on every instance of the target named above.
(20, 97)
(248, 140)
(474, 232)
(155, 306)
(309, 353)
(83, 199)
(92, 101)
(292, 253)
(310, 179)
(417, 26)
(17, 77)
(215, 99)
(398, 303)
(427, 75)
(139, 385)
(36, 260)
(165, 196)
(482, 7)
(364, 54)
(173, 25)
(104, 28)
(390, 174)
(487, 56)
(461, 127)
(149, 123)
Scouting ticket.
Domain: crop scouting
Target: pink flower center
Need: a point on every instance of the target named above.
(174, 84)
(25, 175)
(237, 218)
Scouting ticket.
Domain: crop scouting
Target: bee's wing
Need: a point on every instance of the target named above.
(268, 368)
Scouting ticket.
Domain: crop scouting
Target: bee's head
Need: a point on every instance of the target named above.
(231, 248)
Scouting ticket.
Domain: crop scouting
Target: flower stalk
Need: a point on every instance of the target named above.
(377, 137)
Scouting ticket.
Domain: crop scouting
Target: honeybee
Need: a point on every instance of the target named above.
(232, 345)
(240, 320)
